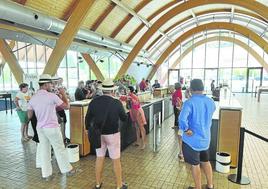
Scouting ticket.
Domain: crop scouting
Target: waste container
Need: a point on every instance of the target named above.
(73, 152)
(223, 162)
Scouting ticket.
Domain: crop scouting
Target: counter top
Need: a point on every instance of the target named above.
(81, 103)
(228, 101)
(162, 88)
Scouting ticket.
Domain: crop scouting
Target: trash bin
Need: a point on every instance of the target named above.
(223, 162)
(73, 152)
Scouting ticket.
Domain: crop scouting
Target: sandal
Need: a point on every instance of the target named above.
(180, 156)
(71, 173)
(136, 144)
(206, 187)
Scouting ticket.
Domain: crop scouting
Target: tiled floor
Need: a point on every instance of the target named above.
(142, 169)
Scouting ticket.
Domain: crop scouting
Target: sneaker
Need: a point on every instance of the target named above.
(49, 178)
(67, 141)
(98, 186)
(124, 186)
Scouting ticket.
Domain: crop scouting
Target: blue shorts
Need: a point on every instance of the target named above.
(194, 157)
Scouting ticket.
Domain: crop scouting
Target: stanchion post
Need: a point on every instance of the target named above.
(238, 178)
(159, 119)
(154, 138)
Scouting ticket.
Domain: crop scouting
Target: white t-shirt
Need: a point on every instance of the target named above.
(23, 100)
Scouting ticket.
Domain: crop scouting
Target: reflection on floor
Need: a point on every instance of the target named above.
(142, 169)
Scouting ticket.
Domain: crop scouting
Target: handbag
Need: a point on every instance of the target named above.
(94, 131)
(128, 104)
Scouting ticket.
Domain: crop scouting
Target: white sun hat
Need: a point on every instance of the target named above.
(108, 85)
(45, 78)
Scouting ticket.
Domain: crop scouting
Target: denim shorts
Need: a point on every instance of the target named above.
(194, 157)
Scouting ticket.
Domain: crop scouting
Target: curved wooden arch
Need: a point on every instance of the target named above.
(102, 16)
(203, 13)
(249, 4)
(128, 18)
(210, 26)
(133, 34)
(217, 38)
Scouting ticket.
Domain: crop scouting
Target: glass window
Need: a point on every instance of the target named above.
(83, 69)
(48, 53)
(212, 54)
(22, 55)
(186, 75)
(7, 77)
(62, 72)
(198, 74)
(173, 58)
(31, 57)
(252, 62)
(226, 54)
(225, 75)
(72, 77)
(186, 62)
(265, 78)
(115, 64)
(240, 56)
(239, 79)
(241, 38)
(92, 75)
(41, 57)
(210, 75)
(103, 65)
(72, 59)
(199, 56)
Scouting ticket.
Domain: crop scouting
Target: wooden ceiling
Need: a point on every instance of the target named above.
(109, 19)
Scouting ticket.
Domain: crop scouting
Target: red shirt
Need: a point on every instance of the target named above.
(143, 85)
(177, 94)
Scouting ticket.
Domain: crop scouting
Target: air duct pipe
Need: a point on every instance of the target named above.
(16, 13)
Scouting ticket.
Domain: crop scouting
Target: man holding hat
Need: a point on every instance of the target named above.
(106, 111)
(195, 120)
(44, 104)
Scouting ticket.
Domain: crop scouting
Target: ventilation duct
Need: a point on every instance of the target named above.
(16, 13)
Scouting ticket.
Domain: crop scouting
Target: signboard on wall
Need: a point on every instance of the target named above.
(31, 80)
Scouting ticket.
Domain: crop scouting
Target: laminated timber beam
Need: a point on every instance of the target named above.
(11, 60)
(249, 4)
(204, 13)
(105, 13)
(156, 13)
(93, 66)
(210, 26)
(70, 10)
(221, 38)
(66, 37)
(128, 18)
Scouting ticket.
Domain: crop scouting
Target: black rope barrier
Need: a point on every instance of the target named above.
(238, 178)
(256, 135)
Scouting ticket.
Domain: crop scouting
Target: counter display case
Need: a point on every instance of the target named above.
(79, 133)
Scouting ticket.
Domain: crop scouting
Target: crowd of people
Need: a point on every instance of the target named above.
(46, 111)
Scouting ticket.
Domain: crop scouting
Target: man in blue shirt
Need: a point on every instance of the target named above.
(195, 120)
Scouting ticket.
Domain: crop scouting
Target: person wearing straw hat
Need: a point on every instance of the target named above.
(60, 111)
(44, 104)
(105, 111)
(195, 120)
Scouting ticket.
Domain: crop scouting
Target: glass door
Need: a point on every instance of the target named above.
(173, 76)
(210, 75)
(254, 79)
